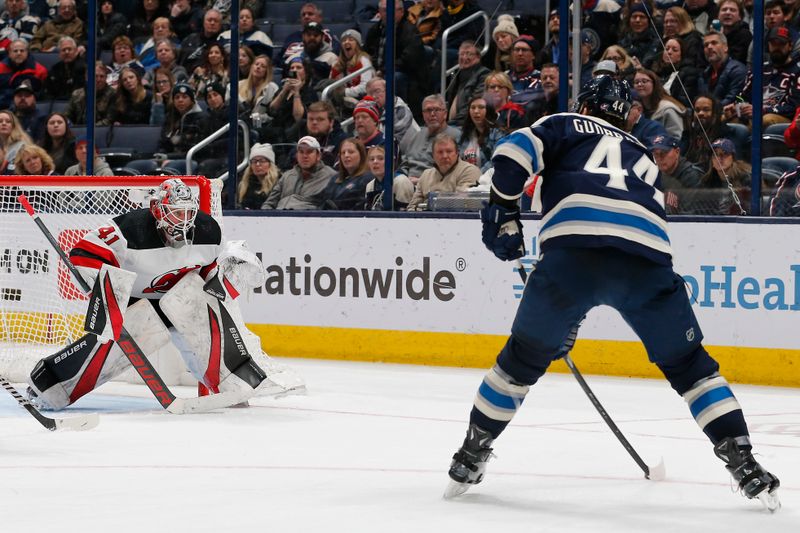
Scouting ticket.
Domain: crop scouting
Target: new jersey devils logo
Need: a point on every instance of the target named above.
(166, 281)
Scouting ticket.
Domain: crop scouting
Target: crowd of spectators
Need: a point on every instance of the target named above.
(166, 64)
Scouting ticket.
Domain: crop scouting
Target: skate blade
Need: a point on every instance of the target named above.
(658, 472)
(454, 488)
(770, 500)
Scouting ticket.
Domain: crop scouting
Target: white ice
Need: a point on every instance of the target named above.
(367, 450)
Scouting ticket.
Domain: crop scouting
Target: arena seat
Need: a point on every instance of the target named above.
(47, 59)
(774, 145)
(781, 165)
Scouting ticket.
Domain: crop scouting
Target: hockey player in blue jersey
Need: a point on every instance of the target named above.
(603, 241)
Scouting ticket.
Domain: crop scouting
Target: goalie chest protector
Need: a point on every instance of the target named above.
(131, 241)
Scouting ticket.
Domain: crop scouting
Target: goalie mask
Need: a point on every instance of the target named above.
(174, 207)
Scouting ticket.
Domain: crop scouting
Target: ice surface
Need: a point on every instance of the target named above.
(367, 450)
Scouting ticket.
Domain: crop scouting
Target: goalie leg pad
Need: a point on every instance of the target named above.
(108, 302)
(62, 378)
(213, 333)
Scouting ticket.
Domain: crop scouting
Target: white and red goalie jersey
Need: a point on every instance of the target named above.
(132, 242)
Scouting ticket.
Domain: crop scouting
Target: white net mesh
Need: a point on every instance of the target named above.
(41, 307)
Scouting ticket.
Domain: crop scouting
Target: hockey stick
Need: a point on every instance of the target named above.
(77, 423)
(655, 473)
(134, 353)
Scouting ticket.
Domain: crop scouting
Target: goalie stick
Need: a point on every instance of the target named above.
(77, 423)
(654, 473)
(134, 353)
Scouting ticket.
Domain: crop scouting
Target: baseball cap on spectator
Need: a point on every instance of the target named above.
(313, 26)
(309, 141)
(780, 33)
(663, 142)
(354, 34)
(553, 13)
(638, 8)
(183, 88)
(605, 66)
(25, 85)
(529, 40)
(369, 106)
(726, 145)
(505, 23)
(263, 150)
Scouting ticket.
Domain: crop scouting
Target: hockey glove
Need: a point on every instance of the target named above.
(502, 231)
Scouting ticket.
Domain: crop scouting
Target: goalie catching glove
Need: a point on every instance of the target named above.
(238, 269)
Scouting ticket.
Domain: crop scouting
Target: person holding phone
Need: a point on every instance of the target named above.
(288, 107)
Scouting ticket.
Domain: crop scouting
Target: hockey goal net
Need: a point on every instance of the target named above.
(41, 307)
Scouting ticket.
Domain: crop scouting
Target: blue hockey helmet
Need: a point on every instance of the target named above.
(606, 97)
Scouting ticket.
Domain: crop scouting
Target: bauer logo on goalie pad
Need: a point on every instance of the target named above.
(214, 288)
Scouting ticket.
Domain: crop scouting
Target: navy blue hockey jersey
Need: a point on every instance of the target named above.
(600, 185)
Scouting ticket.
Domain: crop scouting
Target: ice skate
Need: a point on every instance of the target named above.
(469, 462)
(753, 479)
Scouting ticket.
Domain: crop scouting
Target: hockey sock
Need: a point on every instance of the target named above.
(497, 401)
(710, 399)
(717, 411)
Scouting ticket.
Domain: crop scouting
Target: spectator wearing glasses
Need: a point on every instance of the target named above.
(523, 74)
(497, 92)
(18, 66)
(163, 83)
(658, 105)
(66, 23)
(638, 36)
(403, 117)
(416, 154)
(448, 173)
(167, 56)
(259, 178)
(466, 83)
(624, 62)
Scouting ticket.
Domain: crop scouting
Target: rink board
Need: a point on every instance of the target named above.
(425, 291)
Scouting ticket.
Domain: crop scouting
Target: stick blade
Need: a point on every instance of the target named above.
(658, 472)
(203, 404)
(78, 423)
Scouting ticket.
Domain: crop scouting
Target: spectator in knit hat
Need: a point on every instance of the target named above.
(426, 16)
(351, 59)
(503, 36)
(259, 178)
(638, 36)
(100, 166)
(366, 117)
(523, 74)
(185, 125)
(303, 186)
(416, 154)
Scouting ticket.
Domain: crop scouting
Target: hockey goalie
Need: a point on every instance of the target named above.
(168, 275)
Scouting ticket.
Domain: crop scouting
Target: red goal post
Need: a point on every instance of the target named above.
(41, 309)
